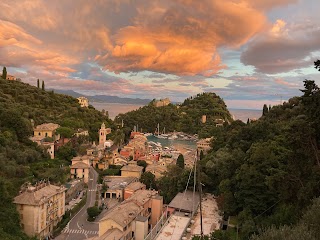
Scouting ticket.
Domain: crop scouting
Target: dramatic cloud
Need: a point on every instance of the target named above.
(283, 48)
(159, 48)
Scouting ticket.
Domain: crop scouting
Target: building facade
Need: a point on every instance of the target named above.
(40, 207)
(103, 132)
(46, 130)
(83, 101)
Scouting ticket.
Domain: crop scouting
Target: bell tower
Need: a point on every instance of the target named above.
(103, 132)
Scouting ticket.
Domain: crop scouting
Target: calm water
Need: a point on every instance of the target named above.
(177, 143)
(115, 108)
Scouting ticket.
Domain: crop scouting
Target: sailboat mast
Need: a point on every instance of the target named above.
(200, 196)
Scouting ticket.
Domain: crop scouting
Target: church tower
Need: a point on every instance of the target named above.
(103, 132)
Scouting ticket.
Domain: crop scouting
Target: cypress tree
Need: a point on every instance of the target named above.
(180, 161)
(38, 83)
(43, 85)
(4, 73)
(265, 110)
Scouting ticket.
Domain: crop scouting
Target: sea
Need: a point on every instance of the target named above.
(116, 108)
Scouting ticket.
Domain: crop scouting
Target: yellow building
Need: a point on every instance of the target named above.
(162, 102)
(11, 78)
(46, 130)
(133, 217)
(131, 171)
(204, 144)
(40, 207)
(83, 101)
(80, 168)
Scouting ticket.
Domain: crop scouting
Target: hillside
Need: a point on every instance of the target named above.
(267, 172)
(185, 117)
(22, 160)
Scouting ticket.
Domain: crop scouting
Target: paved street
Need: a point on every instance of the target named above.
(79, 228)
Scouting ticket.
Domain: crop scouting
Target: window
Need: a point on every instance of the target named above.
(39, 133)
(46, 134)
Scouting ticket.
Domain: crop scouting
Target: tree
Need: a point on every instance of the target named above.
(180, 161)
(65, 132)
(4, 73)
(43, 86)
(143, 164)
(38, 83)
(93, 212)
(317, 64)
(265, 110)
(148, 179)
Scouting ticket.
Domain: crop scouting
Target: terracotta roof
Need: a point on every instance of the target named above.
(47, 126)
(124, 213)
(37, 197)
(80, 165)
(135, 186)
(113, 233)
(132, 168)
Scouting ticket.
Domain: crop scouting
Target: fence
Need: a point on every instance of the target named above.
(156, 229)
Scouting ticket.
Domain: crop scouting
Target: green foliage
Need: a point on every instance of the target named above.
(4, 73)
(22, 160)
(65, 132)
(143, 164)
(267, 172)
(93, 212)
(265, 110)
(173, 181)
(185, 117)
(180, 161)
(307, 228)
(149, 180)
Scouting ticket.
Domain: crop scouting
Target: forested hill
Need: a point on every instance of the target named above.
(22, 160)
(185, 117)
(268, 171)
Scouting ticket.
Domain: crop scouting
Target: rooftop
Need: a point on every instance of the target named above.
(174, 229)
(47, 126)
(36, 196)
(135, 186)
(186, 202)
(124, 213)
(116, 182)
(80, 165)
(132, 168)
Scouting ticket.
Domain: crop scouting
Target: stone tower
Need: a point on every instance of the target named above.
(103, 134)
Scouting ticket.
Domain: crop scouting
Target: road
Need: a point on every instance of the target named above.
(79, 228)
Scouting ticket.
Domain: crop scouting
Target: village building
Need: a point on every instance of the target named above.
(115, 186)
(46, 130)
(132, 188)
(41, 208)
(162, 102)
(103, 132)
(133, 217)
(81, 132)
(156, 169)
(11, 78)
(204, 145)
(131, 170)
(83, 101)
(219, 122)
(49, 146)
(186, 202)
(80, 167)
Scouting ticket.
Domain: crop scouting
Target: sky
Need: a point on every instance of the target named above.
(249, 52)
